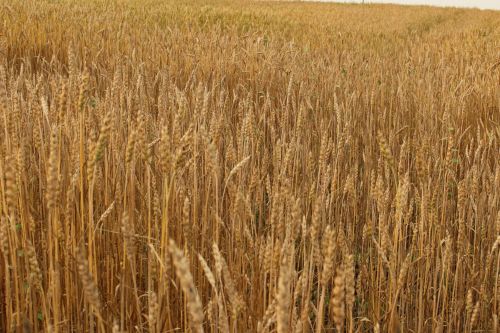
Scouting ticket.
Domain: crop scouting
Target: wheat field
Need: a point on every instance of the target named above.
(237, 166)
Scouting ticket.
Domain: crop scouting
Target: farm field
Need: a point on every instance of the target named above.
(248, 166)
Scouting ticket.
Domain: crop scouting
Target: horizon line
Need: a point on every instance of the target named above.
(360, 2)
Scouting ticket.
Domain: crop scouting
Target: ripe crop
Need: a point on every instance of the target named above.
(220, 166)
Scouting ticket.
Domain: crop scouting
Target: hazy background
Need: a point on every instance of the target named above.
(483, 4)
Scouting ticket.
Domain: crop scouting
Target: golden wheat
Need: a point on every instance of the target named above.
(248, 166)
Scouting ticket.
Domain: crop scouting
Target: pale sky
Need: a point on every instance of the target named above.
(483, 4)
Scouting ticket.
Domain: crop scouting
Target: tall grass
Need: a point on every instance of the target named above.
(248, 167)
